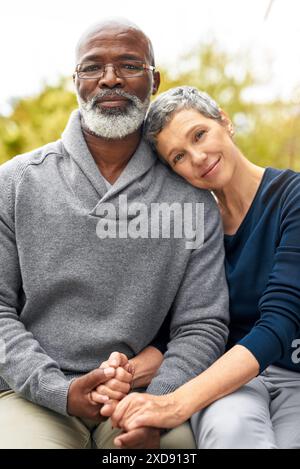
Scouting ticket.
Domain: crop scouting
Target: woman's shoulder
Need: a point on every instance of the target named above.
(281, 182)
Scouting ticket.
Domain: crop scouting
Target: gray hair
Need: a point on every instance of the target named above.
(168, 103)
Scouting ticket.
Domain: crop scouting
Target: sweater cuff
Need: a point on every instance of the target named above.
(264, 345)
(53, 393)
(159, 388)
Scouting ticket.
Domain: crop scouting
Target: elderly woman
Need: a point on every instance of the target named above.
(250, 397)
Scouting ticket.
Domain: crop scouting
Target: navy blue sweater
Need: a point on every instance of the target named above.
(263, 272)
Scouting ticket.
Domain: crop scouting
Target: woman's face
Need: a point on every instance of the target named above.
(199, 149)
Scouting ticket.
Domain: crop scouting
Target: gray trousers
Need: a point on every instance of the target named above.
(264, 414)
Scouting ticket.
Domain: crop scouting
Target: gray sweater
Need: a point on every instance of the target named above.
(69, 298)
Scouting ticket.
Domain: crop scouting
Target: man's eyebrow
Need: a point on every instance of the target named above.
(90, 58)
(131, 57)
(97, 58)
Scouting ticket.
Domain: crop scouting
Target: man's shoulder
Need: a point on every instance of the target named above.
(15, 167)
(180, 188)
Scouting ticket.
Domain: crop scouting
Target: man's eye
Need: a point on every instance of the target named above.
(199, 134)
(91, 68)
(131, 66)
(178, 158)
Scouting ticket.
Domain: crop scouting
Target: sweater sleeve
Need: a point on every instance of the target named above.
(279, 306)
(24, 365)
(199, 315)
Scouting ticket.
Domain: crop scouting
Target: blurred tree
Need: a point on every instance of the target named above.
(275, 137)
(37, 120)
(221, 75)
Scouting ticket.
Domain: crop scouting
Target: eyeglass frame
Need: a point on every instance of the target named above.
(145, 67)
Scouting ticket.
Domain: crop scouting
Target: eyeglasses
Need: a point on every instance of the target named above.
(122, 69)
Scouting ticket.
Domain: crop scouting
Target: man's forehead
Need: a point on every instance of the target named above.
(114, 36)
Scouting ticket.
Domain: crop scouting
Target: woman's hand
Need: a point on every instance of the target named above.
(145, 410)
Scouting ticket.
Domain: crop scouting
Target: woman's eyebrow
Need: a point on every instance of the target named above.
(189, 131)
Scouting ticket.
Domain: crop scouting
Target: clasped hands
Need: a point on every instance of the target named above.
(97, 394)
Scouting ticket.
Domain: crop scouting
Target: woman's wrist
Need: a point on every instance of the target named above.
(182, 404)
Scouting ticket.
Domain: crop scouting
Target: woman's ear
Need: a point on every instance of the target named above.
(227, 123)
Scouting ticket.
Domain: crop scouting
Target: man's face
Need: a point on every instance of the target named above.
(111, 102)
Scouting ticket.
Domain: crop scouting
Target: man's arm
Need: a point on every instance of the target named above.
(199, 316)
(24, 364)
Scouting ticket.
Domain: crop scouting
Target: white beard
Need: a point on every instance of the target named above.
(113, 123)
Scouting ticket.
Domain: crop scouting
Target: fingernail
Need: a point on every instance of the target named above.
(109, 371)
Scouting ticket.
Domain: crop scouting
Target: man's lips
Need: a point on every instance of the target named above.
(111, 101)
(210, 168)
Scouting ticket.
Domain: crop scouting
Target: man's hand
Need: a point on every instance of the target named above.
(80, 402)
(141, 438)
(146, 365)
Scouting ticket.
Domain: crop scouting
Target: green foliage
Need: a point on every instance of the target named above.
(36, 121)
(268, 133)
(210, 69)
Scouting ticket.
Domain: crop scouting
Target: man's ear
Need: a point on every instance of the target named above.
(156, 82)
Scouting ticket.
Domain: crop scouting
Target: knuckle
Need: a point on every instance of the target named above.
(127, 388)
(121, 373)
(113, 383)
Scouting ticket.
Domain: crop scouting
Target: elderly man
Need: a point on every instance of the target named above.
(82, 275)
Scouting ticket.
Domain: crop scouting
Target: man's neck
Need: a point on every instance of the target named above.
(111, 156)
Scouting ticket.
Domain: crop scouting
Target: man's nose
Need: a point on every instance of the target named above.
(110, 79)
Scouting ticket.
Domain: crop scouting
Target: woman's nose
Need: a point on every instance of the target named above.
(198, 158)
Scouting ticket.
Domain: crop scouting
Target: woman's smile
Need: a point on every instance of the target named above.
(211, 169)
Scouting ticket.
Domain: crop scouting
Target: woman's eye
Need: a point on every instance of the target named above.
(178, 158)
(199, 134)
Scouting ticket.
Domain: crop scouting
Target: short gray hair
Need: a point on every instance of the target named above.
(168, 103)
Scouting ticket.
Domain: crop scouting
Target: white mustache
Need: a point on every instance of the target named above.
(113, 94)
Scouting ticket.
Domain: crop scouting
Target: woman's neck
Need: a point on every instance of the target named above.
(237, 196)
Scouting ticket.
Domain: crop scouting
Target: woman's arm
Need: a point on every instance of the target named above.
(234, 369)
